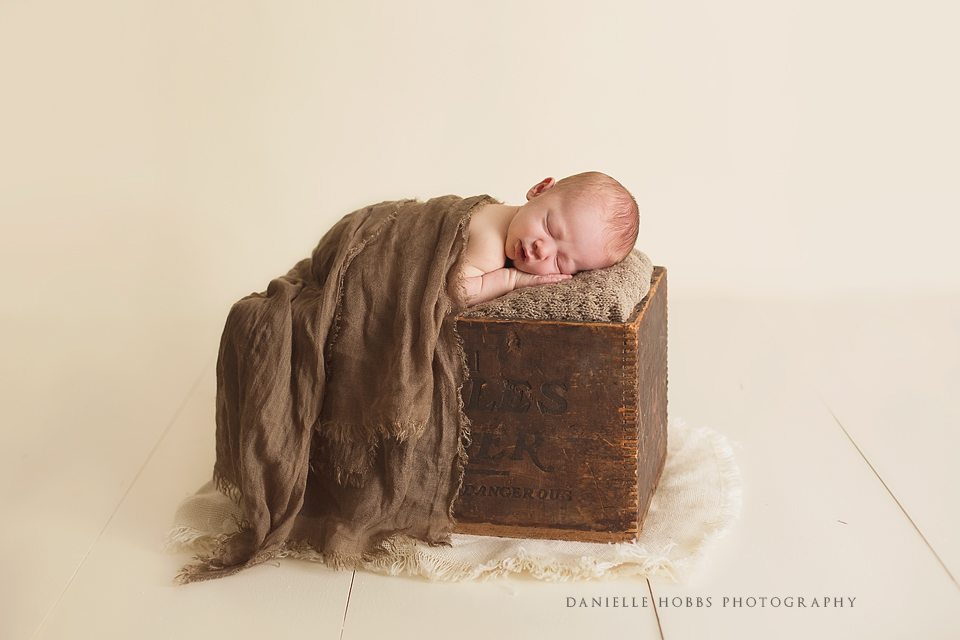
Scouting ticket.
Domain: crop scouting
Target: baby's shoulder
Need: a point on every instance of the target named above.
(470, 271)
(483, 255)
(484, 250)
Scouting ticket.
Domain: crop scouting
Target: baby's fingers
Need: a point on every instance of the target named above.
(552, 278)
(530, 280)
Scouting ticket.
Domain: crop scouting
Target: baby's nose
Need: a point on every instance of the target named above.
(541, 250)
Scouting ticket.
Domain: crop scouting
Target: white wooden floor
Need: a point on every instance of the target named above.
(846, 413)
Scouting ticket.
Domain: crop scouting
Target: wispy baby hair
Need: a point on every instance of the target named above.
(620, 211)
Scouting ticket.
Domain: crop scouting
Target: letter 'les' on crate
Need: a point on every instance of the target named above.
(569, 424)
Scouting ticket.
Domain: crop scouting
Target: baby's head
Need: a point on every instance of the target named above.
(587, 221)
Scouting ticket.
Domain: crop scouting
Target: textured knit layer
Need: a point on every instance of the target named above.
(602, 295)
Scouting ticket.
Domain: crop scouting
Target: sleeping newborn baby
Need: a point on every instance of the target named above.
(587, 221)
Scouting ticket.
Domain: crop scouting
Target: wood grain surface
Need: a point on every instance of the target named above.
(569, 424)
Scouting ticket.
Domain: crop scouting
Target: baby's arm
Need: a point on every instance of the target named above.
(493, 284)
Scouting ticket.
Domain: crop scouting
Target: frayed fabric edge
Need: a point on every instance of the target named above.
(728, 507)
(731, 491)
(182, 539)
(401, 555)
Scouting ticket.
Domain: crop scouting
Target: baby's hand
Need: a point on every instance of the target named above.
(487, 286)
(524, 279)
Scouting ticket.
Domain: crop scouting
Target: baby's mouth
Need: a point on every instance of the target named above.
(521, 252)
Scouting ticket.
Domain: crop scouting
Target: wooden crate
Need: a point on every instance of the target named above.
(569, 424)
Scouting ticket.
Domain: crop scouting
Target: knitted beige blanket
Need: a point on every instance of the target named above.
(601, 295)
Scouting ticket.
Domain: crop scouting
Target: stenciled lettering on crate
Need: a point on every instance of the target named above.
(568, 424)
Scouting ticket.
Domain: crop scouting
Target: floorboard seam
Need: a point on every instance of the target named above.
(173, 420)
(346, 607)
(904, 511)
(655, 612)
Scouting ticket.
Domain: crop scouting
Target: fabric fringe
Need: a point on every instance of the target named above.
(465, 435)
(209, 566)
(181, 539)
(227, 487)
(402, 555)
(728, 510)
(731, 498)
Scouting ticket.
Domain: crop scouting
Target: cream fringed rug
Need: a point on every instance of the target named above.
(697, 500)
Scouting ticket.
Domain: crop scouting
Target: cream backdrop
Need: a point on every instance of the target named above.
(174, 155)
(159, 159)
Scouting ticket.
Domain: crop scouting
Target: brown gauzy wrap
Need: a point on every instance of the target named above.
(339, 419)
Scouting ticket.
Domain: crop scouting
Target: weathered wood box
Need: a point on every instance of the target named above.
(569, 424)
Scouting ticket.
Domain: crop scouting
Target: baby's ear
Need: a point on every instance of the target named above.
(540, 187)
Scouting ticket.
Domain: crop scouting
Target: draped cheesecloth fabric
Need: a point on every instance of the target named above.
(696, 503)
(339, 421)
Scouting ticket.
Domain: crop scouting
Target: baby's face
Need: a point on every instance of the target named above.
(557, 231)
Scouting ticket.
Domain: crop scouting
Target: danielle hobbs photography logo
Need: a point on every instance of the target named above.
(708, 602)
